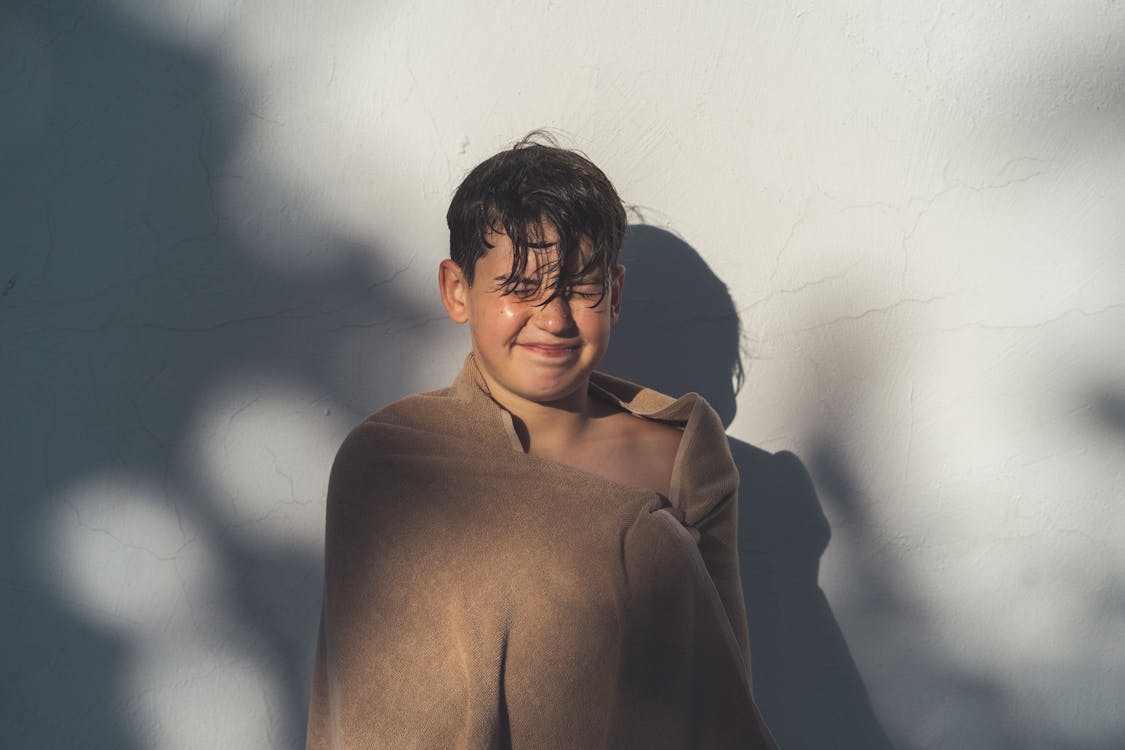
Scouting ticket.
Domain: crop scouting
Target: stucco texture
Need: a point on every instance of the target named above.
(898, 225)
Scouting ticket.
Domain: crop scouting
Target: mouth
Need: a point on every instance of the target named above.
(550, 350)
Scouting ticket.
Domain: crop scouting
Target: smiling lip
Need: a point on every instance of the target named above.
(549, 350)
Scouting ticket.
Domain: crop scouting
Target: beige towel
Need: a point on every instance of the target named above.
(479, 597)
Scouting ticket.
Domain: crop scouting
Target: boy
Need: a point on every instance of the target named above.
(540, 555)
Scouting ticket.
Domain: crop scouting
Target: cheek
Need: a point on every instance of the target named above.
(507, 310)
(503, 318)
(594, 320)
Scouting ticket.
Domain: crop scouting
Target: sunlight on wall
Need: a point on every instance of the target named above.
(117, 548)
(264, 449)
(120, 554)
(156, 570)
(201, 692)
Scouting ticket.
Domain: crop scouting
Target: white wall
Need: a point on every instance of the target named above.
(221, 222)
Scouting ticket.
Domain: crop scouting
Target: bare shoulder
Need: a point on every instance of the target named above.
(640, 452)
(655, 436)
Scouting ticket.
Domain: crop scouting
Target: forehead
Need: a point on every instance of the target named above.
(542, 251)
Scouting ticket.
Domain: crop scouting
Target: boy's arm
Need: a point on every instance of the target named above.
(710, 505)
(404, 658)
(718, 546)
(386, 672)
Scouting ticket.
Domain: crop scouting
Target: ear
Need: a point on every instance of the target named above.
(616, 286)
(454, 291)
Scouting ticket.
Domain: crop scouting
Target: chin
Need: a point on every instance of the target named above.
(554, 390)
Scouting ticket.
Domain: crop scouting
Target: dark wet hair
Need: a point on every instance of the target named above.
(518, 190)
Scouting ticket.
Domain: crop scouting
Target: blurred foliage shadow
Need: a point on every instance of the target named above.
(129, 294)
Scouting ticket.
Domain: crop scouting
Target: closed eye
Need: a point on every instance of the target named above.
(588, 288)
(522, 287)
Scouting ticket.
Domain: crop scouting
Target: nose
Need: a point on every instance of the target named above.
(555, 315)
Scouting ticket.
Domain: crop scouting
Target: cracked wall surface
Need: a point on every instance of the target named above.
(220, 229)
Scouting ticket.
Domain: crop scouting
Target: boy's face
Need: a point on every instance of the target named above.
(541, 353)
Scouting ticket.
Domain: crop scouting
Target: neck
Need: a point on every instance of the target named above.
(549, 426)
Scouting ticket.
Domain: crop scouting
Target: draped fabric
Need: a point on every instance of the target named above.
(476, 596)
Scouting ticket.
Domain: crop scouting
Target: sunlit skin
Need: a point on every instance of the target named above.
(536, 360)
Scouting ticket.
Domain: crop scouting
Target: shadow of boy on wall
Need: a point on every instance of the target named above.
(679, 332)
